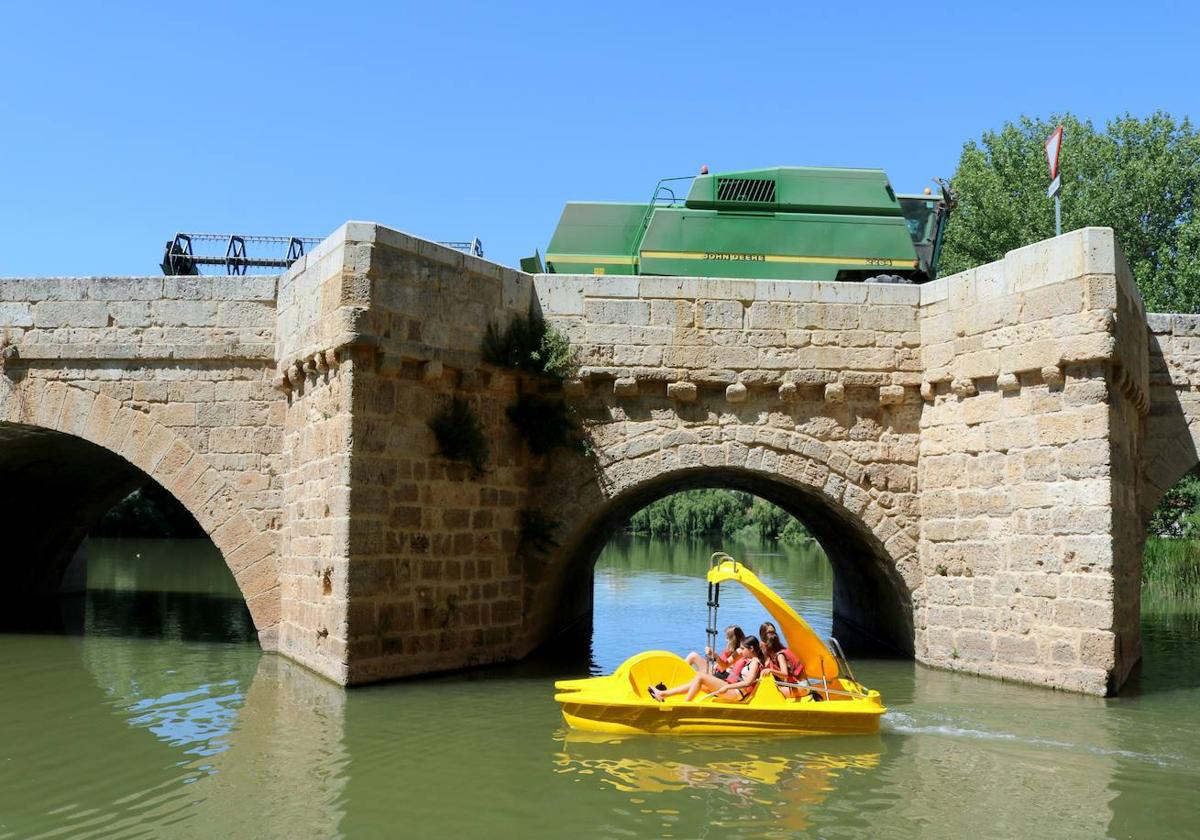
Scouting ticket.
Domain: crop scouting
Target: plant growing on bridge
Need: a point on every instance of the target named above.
(459, 434)
(536, 541)
(528, 343)
(543, 422)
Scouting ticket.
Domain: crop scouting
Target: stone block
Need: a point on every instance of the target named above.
(611, 286)
(981, 364)
(183, 313)
(125, 288)
(559, 295)
(245, 314)
(674, 313)
(16, 315)
(1052, 375)
(626, 387)
(835, 392)
(51, 314)
(684, 392)
(963, 388)
(736, 393)
(719, 314)
(891, 395)
(833, 292)
(1159, 324)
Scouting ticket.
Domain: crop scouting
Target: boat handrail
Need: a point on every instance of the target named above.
(825, 690)
(840, 656)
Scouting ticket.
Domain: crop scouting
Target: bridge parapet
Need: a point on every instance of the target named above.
(662, 335)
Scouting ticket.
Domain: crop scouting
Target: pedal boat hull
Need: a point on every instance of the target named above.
(620, 703)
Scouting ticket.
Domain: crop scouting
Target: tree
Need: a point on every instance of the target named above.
(1140, 177)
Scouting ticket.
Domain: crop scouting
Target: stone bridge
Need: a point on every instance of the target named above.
(978, 456)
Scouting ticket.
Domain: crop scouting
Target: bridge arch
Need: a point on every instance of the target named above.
(867, 532)
(73, 449)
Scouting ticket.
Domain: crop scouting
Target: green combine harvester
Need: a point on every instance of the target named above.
(787, 223)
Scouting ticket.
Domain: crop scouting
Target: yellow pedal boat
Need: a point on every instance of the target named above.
(834, 703)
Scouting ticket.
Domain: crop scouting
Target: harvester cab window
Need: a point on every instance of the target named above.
(919, 215)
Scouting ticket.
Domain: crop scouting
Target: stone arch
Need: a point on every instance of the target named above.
(1170, 449)
(868, 530)
(1170, 445)
(107, 434)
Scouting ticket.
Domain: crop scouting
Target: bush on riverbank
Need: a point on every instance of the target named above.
(1171, 567)
(1178, 514)
(709, 511)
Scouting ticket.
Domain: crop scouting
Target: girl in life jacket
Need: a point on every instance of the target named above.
(743, 676)
(715, 663)
(780, 661)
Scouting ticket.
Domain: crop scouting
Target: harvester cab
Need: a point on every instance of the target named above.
(786, 223)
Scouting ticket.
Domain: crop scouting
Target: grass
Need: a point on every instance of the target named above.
(1171, 567)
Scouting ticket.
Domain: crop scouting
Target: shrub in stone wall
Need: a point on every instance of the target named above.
(459, 435)
(537, 540)
(528, 343)
(543, 423)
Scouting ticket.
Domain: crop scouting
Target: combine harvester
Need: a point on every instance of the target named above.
(787, 223)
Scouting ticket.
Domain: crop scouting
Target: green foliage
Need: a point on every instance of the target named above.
(148, 512)
(728, 512)
(543, 423)
(536, 541)
(1178, 514)
(528, 343)
(1140, 177)
(459, 434)
(557, 359)
(1172, 567)
(537, 531)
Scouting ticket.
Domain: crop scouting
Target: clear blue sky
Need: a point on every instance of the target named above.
(121, 123)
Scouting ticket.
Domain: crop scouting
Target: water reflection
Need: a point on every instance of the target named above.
(197, 734)
(769, 784)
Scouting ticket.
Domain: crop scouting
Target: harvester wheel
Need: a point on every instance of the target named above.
(888, 278)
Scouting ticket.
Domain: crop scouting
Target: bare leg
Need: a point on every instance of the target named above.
(699, 663)
(706, 681)
(679, 689)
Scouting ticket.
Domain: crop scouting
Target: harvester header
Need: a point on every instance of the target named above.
(786, 223)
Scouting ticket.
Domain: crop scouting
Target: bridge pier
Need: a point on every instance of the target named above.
(978, 455)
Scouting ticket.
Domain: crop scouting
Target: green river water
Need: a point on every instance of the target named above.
(155, 715)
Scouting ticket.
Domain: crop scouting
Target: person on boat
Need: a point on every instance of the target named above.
(715, 663)
(781, 663)
(739, 685)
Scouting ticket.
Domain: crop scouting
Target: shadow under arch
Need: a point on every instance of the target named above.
(872, 606)
(59, 476)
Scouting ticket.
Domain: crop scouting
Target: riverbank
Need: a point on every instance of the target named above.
(1171, 567)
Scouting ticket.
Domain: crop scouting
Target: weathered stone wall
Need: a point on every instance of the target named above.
(1025, 449)
(420, 571)
(173, 375)
(804, 393)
